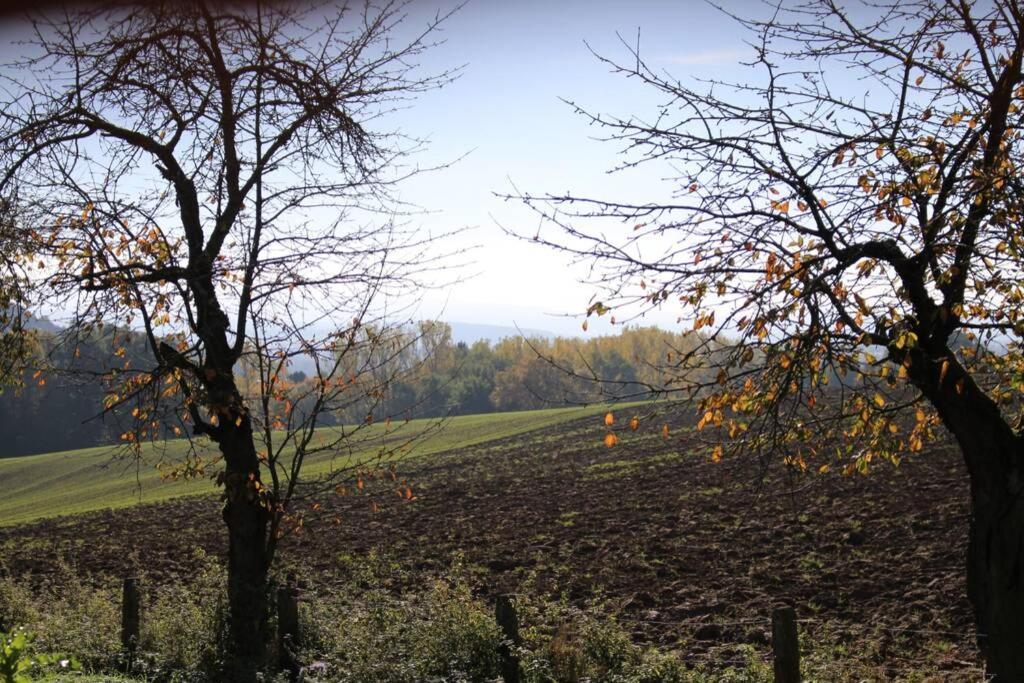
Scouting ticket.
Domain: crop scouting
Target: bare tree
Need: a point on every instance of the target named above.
(218, 179)
(15, 246)
(847, 227)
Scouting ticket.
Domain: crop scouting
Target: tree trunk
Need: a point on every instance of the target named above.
(995, 557)
(246, 520)
(246, 502)
(994, 456)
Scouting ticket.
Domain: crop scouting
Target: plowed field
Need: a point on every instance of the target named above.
(688, 553)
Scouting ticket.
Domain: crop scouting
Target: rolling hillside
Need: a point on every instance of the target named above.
(72, 482)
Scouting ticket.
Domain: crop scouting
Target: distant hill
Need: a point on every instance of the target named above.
(468, 333)
(32, 322)
(474, 332)
(42, 324)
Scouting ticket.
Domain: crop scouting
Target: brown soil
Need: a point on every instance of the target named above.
(690, 554)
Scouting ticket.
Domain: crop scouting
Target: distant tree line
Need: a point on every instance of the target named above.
(422, 372)
(57, 403)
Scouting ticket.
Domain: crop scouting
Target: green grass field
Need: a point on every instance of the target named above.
(71, 482)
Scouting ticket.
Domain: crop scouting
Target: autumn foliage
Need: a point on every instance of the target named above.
(849, 218)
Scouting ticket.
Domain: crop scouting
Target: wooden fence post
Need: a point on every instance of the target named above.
(508, 621)
(288, 636)
(130, 621)
(785, 645)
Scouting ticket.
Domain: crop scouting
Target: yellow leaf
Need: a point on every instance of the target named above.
(879, 400)
(862, 304)
(716, 454)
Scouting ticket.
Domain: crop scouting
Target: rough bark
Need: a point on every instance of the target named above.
(246, 521)
(246, 502)
(994, 456)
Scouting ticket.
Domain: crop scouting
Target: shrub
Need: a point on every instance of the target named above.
(72, 616)
(183, 627)
(366, 632)
(17, 605)
(567, 644)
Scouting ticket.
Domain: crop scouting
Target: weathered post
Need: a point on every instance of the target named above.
(130, 621)
(508, 621)
(288, 636)
(785, 645)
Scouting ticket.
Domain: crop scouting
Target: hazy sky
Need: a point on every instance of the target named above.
(505, 112)
(505, 121)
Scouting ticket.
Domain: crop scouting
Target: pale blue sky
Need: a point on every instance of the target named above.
(505, 118)
(505, 111)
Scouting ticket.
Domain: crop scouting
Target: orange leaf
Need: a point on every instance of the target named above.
(610, 440)
(609, 419)
(664, 432)
(634, 424)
